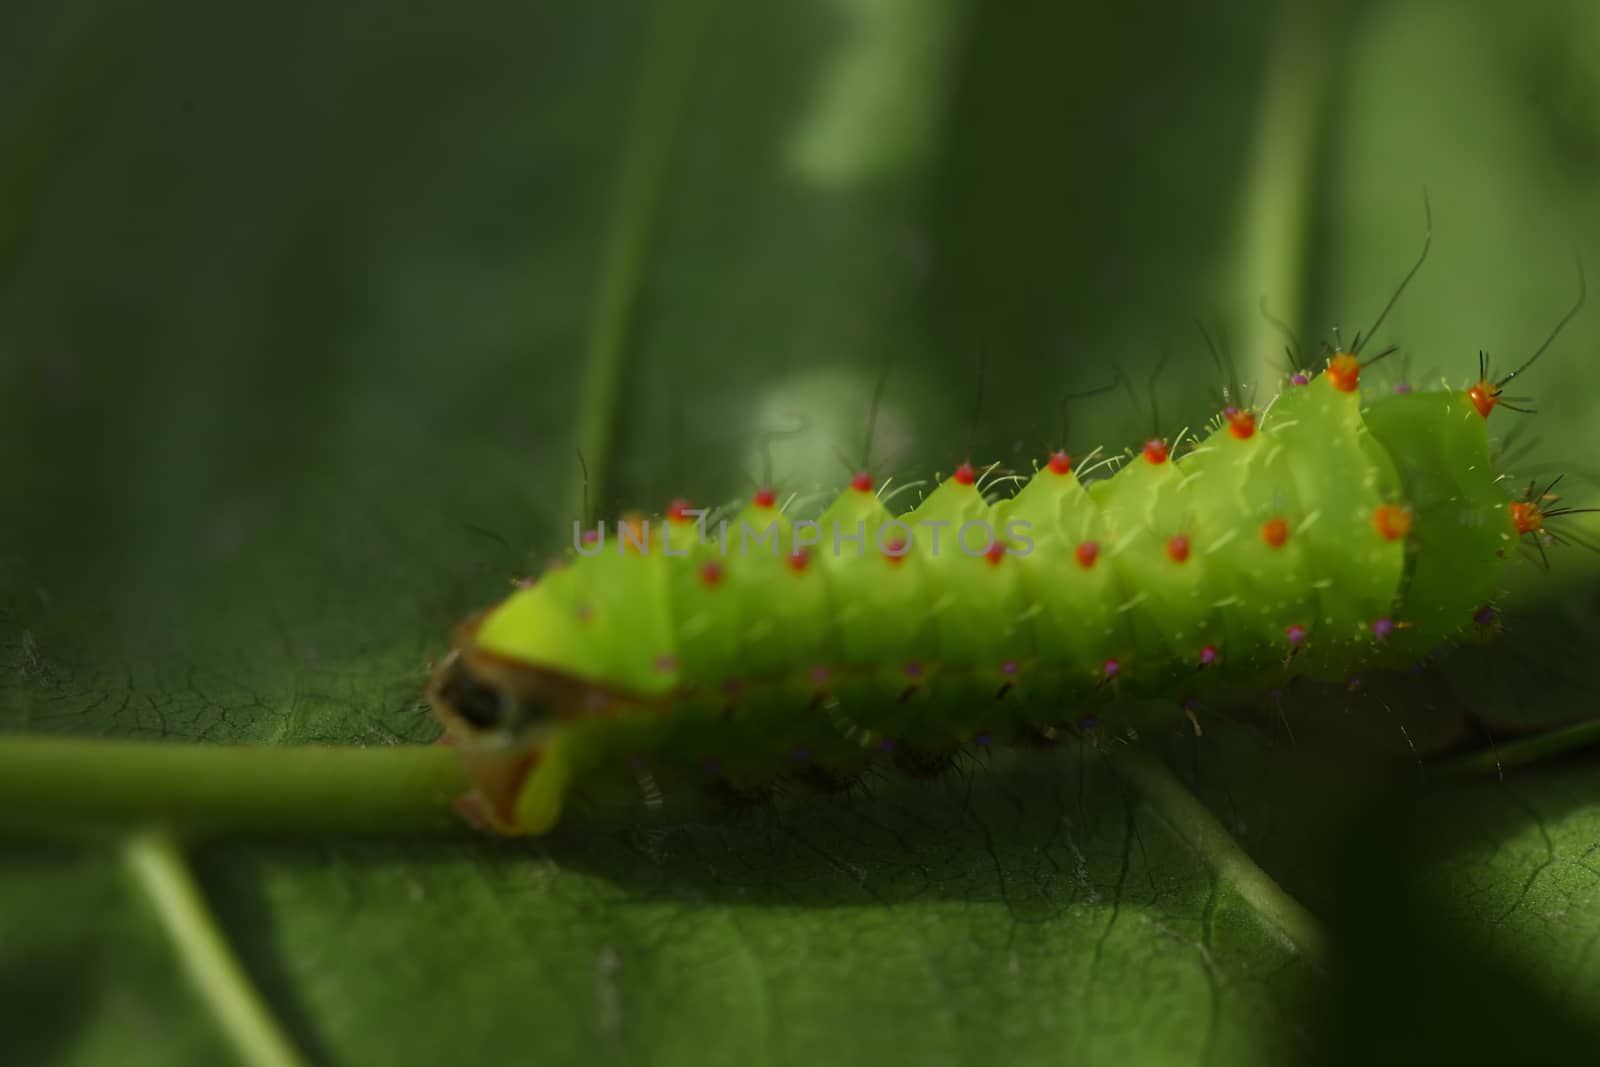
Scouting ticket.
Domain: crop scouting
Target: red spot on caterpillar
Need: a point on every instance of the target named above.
(1392, 521)
(1155, 451)
(1178, 548)
(711, 574)
(1275, 531)
(764, 498)
(895, 550)
(1382, 627)
(1087, 552)
(995, 553)
(799, 559)
(862, 482)
(1060, 463)
(1208, 655)
(1344, 372)
(965, 475)
(1111, 668)
(1484, 396)
(1296, 634)
(676, 511)
(1242, 424)
(1526, 516)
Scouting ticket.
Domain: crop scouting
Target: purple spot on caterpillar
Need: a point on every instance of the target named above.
(1008, 667)
(590, 537)
(1208, 655)
(1383, 627)
(800, 754)
(983, 739)
(913, 670)
(1111, 668)
(819, 675)
(1088, 722)
(886, 745)
(1299, 379)
(1484, 615)
(1296, 634)
(1403, 388)
(666, 664)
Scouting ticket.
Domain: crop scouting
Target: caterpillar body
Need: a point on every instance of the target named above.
(1322, 536)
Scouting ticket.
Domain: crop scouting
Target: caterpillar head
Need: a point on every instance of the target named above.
(486, 701)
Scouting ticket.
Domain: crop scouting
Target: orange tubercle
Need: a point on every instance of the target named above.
(1484, 396)
(1526, 516)
(765, 498)
(633, 533)
(1344, 372)
(862, 483)
(1178, 548)
(1155, 450)
(995, 553)
(1060, 463)
(965, 475)
(1087, 552)
(895, 551)
(1392, 521)
(1241, 423)
(1275, 531)
(677, 511)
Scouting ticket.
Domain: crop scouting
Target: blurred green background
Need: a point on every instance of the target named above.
(306, 309)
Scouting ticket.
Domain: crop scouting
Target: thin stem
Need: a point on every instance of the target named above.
(213, 970)
(51, 785)
(1524, 750)
(1193, 822)
(1278, 192)
(670, 51)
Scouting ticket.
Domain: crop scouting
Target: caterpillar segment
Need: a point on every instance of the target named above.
(1319, 538)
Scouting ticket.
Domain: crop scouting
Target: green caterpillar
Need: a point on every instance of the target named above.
(1322, 537)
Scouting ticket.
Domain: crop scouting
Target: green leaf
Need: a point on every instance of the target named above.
(304, 319)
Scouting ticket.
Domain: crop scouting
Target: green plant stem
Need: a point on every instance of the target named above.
(669, 53)
(1275, 263)
(158, 865)
(1193, 822)
(1524, 750)
(52, 785)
